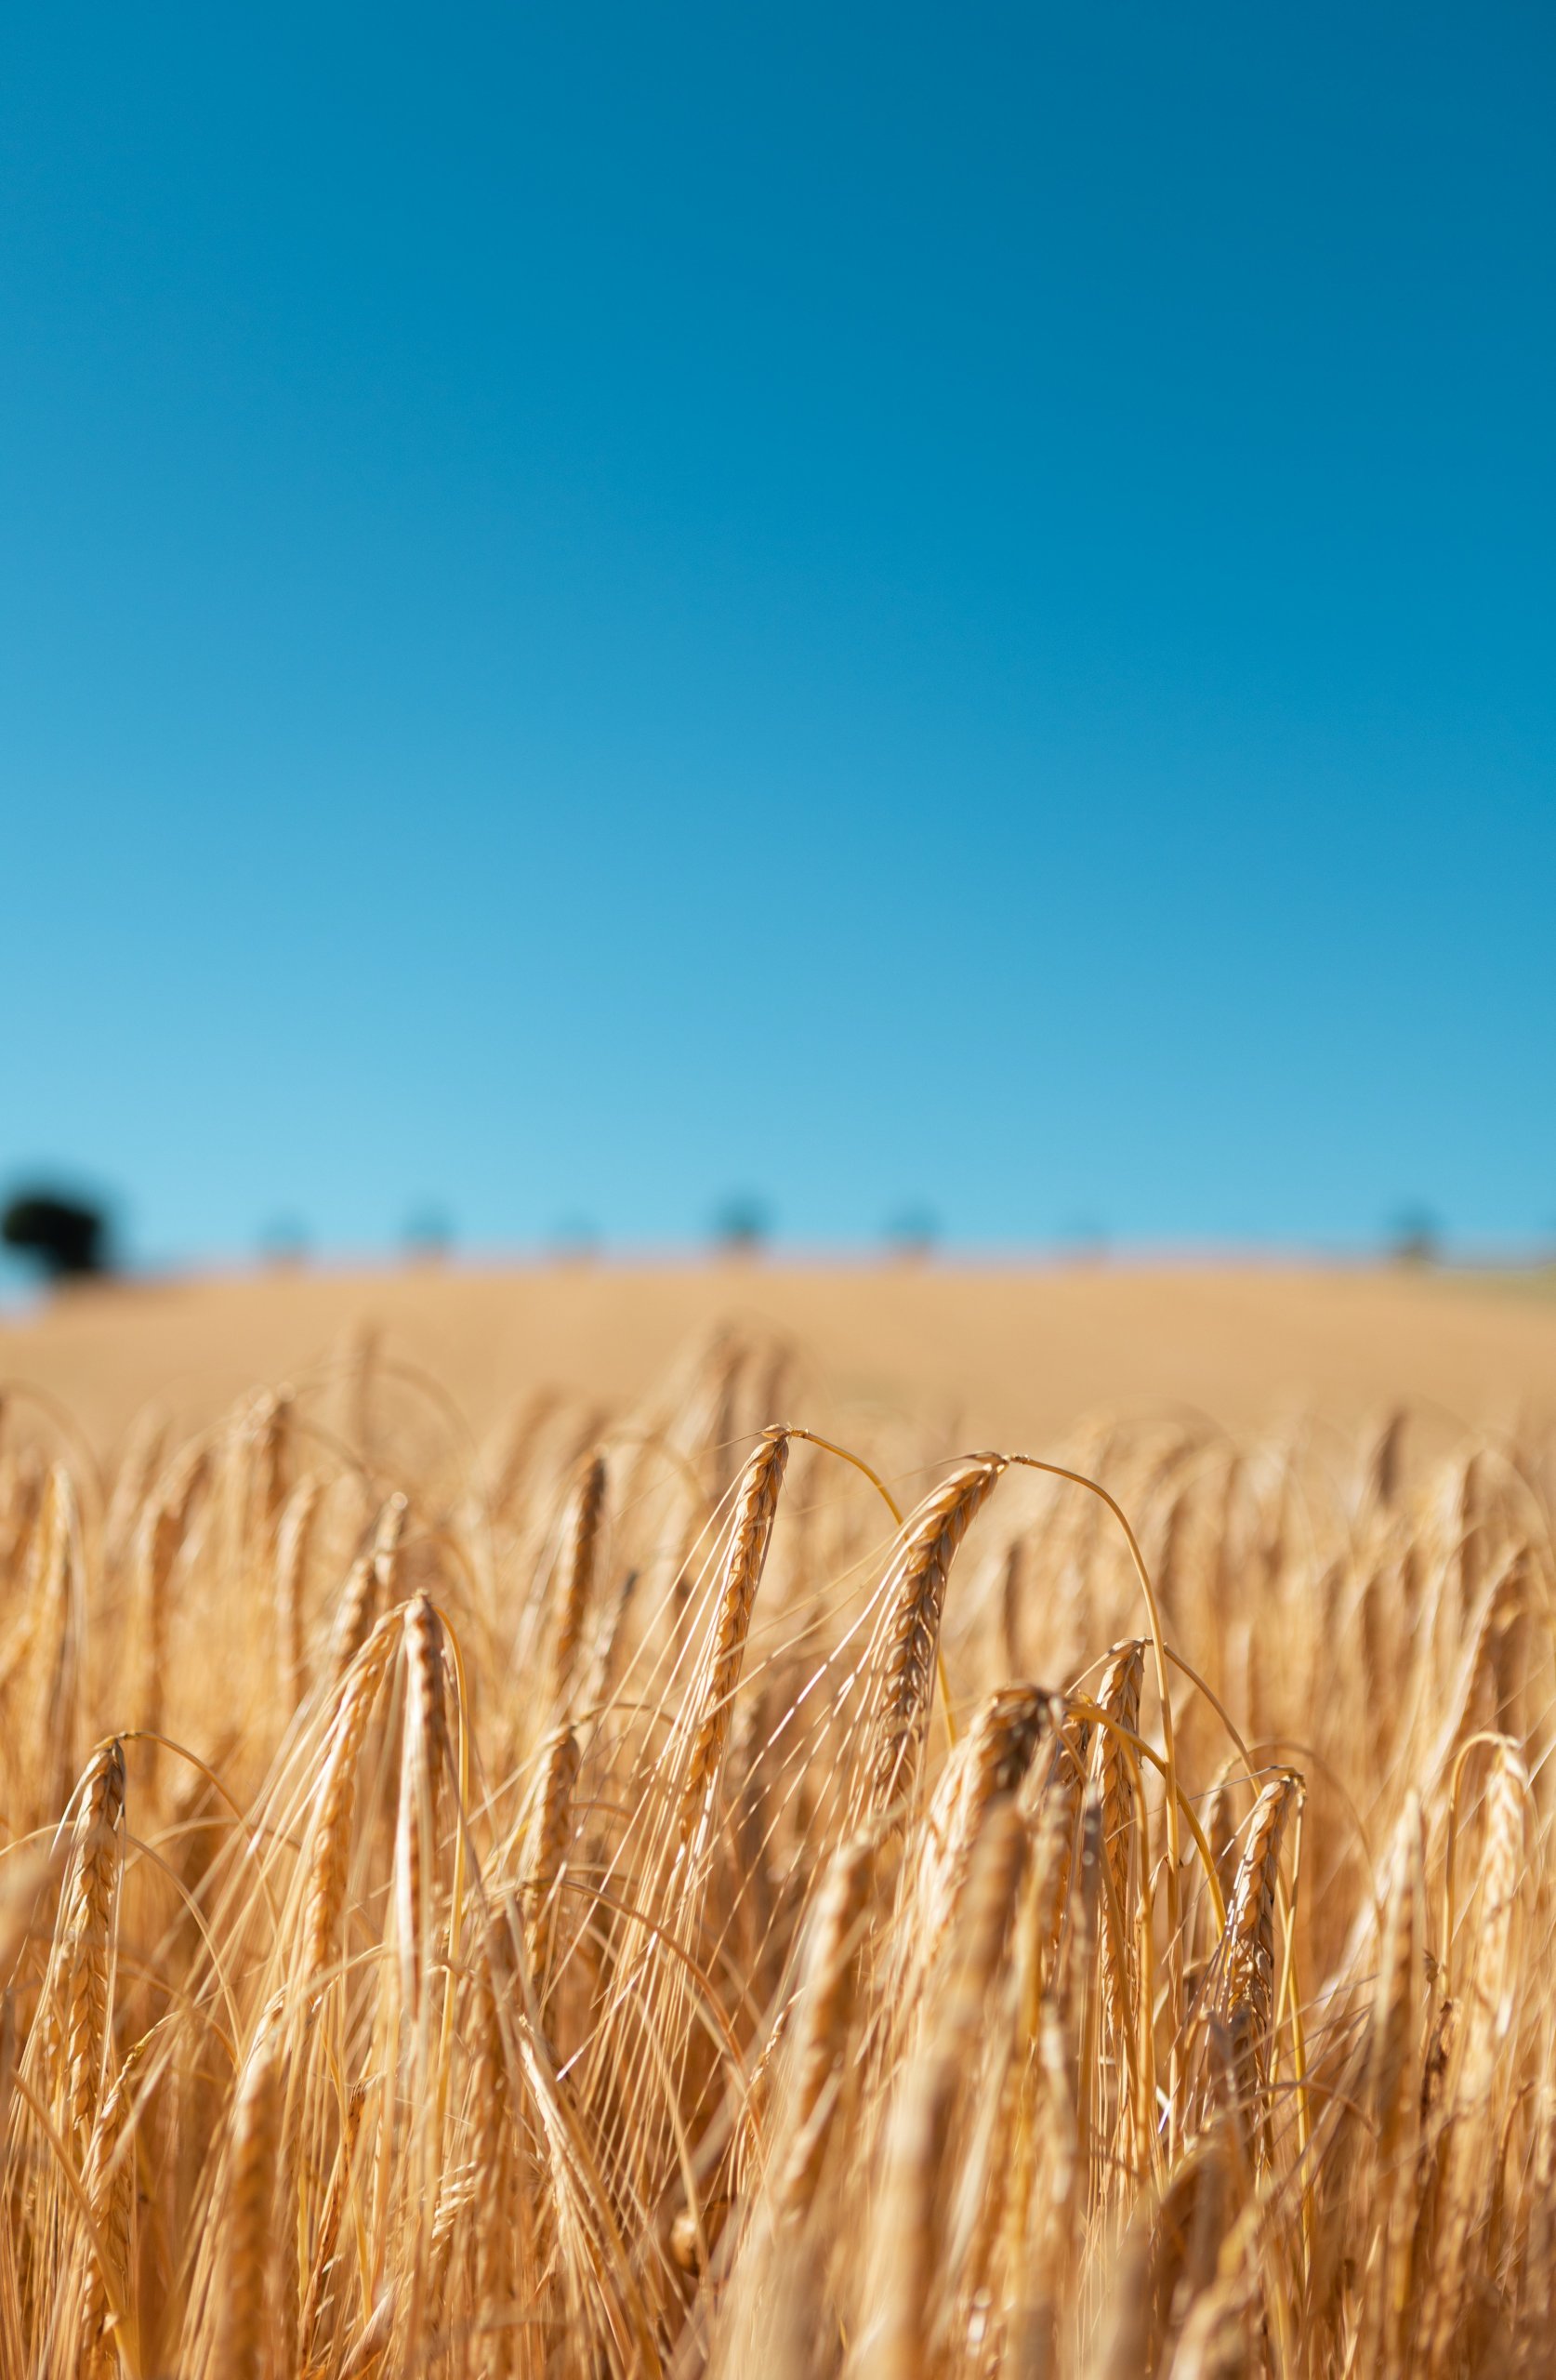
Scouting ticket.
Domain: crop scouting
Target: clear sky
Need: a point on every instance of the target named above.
(948, 607)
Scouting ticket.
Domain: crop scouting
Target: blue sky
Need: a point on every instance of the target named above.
(891, 607)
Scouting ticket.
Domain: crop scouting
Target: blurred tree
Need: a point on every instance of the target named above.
(283, 1243)
(67, 1238)
(911, 1236)
(1082, 1241)
(429, 1235)
(576, 1241)
(1414, 1237)
(741, 1224)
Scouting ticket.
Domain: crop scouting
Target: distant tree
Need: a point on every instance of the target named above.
(67, 1238)
(740, 1224)
(284, 1242)
(429, 1234)
(576, 1241)
(1414, 1237)
(911, 1236)
(1083, 1241)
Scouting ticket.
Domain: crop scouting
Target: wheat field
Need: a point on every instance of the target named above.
(733, 1877)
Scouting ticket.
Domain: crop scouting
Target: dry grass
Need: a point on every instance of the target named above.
(619, 1898)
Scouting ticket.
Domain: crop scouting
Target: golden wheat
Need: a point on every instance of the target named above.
(519, 1923)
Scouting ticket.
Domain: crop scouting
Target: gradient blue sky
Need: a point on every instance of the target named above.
(952, 607)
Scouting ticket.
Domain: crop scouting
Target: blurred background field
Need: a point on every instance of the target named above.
(988, 1355)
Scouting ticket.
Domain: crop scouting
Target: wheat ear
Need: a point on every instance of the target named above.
(576, 1565)
(1247, 1996)
(912, 2253)
(915, 1592)
(369, 1586)
(550, 1836)
(750, 1535)
(97, 1850)
(335, 1799)
(823, 2017)
(110, 2193)
(250, 2226)
(294, 1536)
(422, 1760)
(1118, 1697)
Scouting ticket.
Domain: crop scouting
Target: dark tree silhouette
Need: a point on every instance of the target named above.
(429, 1234)
(911, 1236)
(740, 1226)
(64, 1237)
(1415, 1239)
